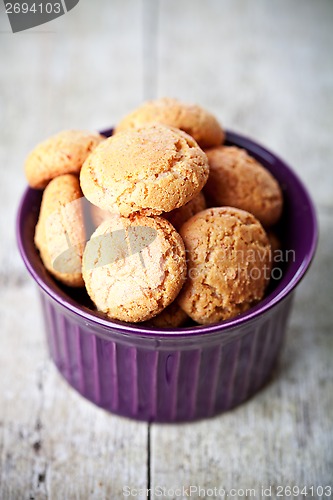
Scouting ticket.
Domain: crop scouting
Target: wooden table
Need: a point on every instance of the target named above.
(265, 69)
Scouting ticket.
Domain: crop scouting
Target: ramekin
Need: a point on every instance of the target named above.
(173, 375)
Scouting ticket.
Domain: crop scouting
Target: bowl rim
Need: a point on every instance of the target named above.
(137, 330)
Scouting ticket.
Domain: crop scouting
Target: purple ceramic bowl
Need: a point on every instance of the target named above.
(179, 374)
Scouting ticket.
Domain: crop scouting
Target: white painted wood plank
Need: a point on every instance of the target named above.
(264, 68)
(282, 436)
(92, 64)
(84, 70)
(53, 443)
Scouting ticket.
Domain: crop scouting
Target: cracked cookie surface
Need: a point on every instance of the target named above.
(191, 118)
(63, 153)
(229, 264)
(238, 180)
(134, 268)
(149, 170)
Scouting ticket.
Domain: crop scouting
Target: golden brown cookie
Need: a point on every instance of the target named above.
(134, 267)
(171, 317)
(193, 119)
(149, 170)
(180, 215)
(228, 264)
(63, 153)
(238, 180)
(60, 233)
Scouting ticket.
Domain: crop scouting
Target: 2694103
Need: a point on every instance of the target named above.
(34, 8)
(304, 491)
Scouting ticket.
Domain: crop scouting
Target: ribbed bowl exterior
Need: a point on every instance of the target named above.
(165, 383)
(176, 374)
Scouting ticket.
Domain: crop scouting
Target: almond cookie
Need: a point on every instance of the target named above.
(60, 234)
(177, 217)
(149, 170)
(228, 264)
(238, 180)
(63, 153)
(134, 267)
(193, 119)
(180, 215)
(171, 317)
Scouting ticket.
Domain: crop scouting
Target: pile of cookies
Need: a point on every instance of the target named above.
(157, 253)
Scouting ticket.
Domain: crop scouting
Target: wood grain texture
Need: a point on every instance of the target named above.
(282, 436)
(265, 69)
(81, 71)
(53, 443)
